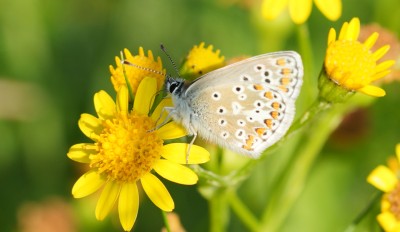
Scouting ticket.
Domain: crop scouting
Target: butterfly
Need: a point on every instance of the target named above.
(246, 106)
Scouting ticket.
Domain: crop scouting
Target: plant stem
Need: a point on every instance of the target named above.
(166, 222)
(308, 89)
(128, 84)
(363, 213)
(242, 212)
(237, 176)
(293, 179)
(219, 211)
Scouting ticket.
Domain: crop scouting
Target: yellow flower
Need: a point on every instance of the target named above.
(387, 180)
(134, 74)
(200, 61)
(127, 148)
(300, 10)
(351, 64)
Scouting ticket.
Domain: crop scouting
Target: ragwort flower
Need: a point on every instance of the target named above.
(200, 61)
(350, 65)
(300, 10)
(133, 74)
(128, 148)
(387, 179)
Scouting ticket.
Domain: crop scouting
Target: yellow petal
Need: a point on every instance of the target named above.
(150, 55)
(332, 9)
(141, 52)
(373, 91)
(160, 114)
(128, 205)
(123, 100)
(300, 10)
(176, 152)
(145, 95)
(393, 164)
(90, 126)
(369, 43)
(343, 31)
(331, 36)
(87, 184)
(157, 192)
(382, 178)
(379, 75)
(107, 199)
(380, 52)
(353, 30)
(81, 152)
(384, 66)
(385, 204)
(104, 105)
(388, 222)
(398, 151)
(128, 54)
(270, 9)
(118, 61)
(171, 130)
(175, 172)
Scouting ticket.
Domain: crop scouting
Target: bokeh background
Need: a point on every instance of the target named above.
(54, 55)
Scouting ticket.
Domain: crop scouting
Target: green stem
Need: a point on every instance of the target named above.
(317, 107)
(217, 197)
(293, 179)
(363, 213)
(166, 222)
(220, 184)
(128, 84)
(309, 83)
(210, 177)
(219, 211)
(242, 212)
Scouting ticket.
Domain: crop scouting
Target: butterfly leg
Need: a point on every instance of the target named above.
(165, 121)
(194, 133)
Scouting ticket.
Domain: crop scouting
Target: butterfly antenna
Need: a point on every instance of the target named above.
(170, 59)
(142, 68)
(123, 61)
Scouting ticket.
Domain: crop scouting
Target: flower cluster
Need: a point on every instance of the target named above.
(129, 146)
(387, 179)
(351, 66)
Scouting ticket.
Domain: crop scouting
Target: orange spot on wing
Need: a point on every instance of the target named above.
(268, 95)
(258, 87)
(286, 71)
(249, 143)
(285, 81)
(276, 105)
(268, 123)
(274, 114)
(283, 88)
(260, 131)
(281, 61)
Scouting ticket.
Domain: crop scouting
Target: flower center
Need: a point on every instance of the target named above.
(394, 199)
(349, 63)
(128, 148)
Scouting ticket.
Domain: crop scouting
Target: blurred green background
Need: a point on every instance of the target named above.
(54, 55)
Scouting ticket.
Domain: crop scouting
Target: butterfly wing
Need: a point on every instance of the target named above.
(249, 105)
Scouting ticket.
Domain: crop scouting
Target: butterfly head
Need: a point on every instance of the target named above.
(174, 85)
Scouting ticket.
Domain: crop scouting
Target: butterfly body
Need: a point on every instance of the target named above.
(246, 106)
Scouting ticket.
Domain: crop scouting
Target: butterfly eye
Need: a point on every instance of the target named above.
(172, 86)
